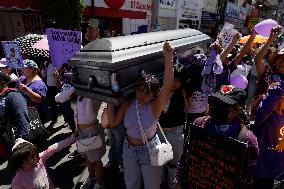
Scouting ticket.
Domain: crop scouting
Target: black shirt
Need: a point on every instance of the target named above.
(175, 115)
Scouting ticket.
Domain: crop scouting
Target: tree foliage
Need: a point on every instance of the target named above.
(64, 14)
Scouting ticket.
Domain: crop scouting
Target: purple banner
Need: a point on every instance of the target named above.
(63, 44)
(13, 54)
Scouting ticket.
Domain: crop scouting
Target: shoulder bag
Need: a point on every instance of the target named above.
(38, 133)
(89, 143)
(160, 154)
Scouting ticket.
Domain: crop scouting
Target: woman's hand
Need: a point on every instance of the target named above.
(275, 31)
(56, 75)
(168, 51)
(23, 87)
(104, 119)
(217, 46)
(236, 37)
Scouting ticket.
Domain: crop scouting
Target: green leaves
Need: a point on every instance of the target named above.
(63, 14)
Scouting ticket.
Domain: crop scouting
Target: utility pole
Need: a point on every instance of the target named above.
(155, 15)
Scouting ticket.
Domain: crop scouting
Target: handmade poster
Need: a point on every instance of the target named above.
(13, 54)
(63, 44)
(215, 161)
(227, 34)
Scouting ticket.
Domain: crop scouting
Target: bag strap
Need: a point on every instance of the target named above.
(145, 140)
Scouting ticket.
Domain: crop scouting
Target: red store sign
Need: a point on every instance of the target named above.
(134, 9)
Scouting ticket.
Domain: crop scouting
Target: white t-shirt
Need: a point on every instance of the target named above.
(199, 102)
(50, 80)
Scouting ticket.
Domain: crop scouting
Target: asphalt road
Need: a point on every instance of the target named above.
(65, 172)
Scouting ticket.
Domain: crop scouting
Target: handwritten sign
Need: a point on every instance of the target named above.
(214, 162)
(13, 54)
(227, 34)
(63, 44)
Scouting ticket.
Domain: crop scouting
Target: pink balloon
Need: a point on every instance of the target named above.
(264, 28)
(239, 81)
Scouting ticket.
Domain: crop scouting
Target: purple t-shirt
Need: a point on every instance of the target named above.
(37, 86)
(269, 123)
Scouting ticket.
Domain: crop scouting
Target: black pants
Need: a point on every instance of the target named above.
(261, 183)
(51, 93)
(68, 115)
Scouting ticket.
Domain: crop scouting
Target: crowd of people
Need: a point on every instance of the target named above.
(200, 93)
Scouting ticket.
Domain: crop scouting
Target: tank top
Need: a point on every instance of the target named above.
(148, 121)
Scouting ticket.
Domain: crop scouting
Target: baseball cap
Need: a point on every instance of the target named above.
(29, 64)
(3, 63)
(229, 94)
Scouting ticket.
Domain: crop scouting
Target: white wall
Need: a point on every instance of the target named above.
(131, 25)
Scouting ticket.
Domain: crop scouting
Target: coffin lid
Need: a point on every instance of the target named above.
(136, 40)
(123, 48)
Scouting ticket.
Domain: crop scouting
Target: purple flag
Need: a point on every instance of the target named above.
(63, 44)
(13, 54)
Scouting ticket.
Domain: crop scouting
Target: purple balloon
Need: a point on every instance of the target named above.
(264, 28)
(239, 81)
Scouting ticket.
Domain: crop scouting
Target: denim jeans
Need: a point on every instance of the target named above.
(116, 137)
(175, 138)
(137, 165)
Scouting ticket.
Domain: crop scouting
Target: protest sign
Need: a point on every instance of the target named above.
(13, 54)
(215, 162)
(227, 34)
(63, 44)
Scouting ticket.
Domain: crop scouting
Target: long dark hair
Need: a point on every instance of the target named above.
(149, 83)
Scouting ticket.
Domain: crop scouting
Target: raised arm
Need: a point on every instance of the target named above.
(235, 40)
(245, 49)
(260, 67)
(168, 80)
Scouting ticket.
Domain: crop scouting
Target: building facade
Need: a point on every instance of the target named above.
(18, 18)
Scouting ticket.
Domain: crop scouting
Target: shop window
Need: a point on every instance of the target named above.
(194, 24)
(32, 23)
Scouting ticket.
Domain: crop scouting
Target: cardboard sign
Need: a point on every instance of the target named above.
(63, 44)
(13, 54)
(214, 162)
(227, 34)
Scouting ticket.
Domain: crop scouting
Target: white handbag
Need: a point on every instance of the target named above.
(88, 144)
(160, 154)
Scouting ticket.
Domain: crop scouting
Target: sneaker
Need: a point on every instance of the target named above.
(98, 186)
(88, 184)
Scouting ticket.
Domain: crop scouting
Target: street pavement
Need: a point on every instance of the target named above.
(65, 172)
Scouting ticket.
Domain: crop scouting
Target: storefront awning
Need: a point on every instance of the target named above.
(107, 12)
(21, 4)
